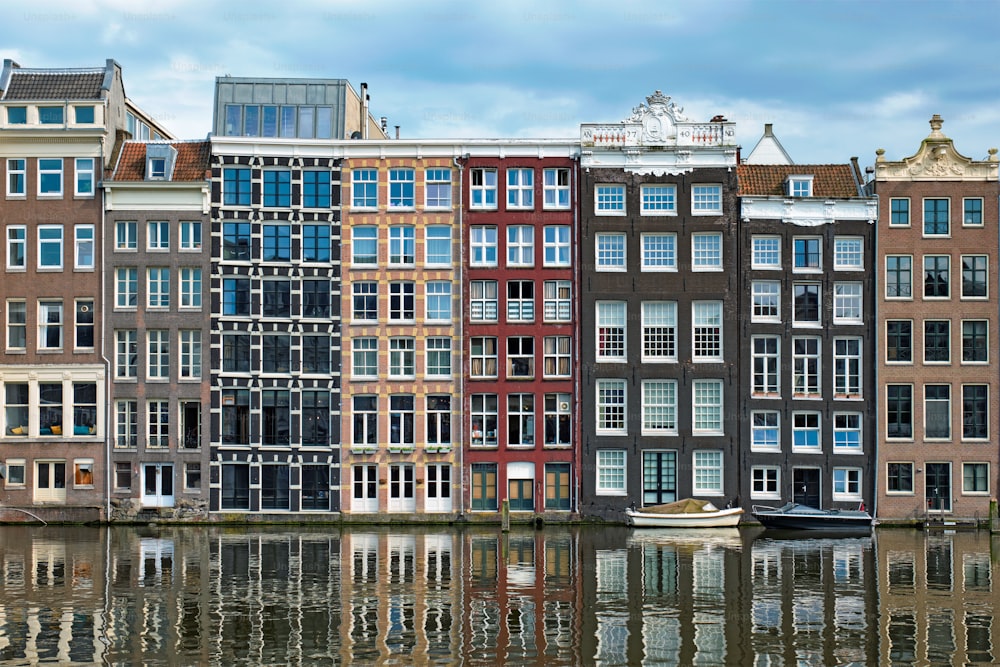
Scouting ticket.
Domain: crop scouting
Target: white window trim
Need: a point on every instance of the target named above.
(860, 449)
(597, 413)
(923, 218)
(848, 267)
(909, 213)
(982, 210)
(713, 211)
(961, 287)
(620, 212)
(923, 273)
(355, 238)
(77, 244)
(647, 268)
(708, 267)
(913, 486)
(599, 466)
(989, 415)
(62, 247)
(759, 448)
(721, 407)
(808, 269)
(962, 336)
(988, 490)
(485, 246)
(951, 415)
(765, 495)
(10, 243)
(600, 356)
(23, 171)
(777, 373)
(77, 172)
(847, 496)
(672, 211)
(557, 189)
(861, 303)
(808, 324)
(62, 179)
(428, 180)
(703, 491)
(885, 339)
(521, 188)
(610, 268)
(519, 244)
(484, 189)
(764, 267)
(923, 335)
(754, 317)
(645, 430)
(355, 180)
(818, 448)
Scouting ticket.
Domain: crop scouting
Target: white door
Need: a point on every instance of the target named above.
(157, 485)
(364, 488)
(50, 481)
(402, 496)
(438, 483)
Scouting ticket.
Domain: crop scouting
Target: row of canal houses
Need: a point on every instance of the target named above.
(302, 318)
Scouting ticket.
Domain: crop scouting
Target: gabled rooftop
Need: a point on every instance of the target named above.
(191, 164)
(829, 180)
(90, 83)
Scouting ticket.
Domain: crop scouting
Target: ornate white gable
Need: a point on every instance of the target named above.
(936, 160)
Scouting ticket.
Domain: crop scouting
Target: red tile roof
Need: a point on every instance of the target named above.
(829, 180)
(33, 84)
(192, 162)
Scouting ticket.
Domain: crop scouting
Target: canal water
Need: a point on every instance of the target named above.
(477, 596)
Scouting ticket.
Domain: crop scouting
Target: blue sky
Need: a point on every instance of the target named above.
(837, 79)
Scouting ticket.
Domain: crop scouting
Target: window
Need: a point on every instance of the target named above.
(483, 241)
(158, 287)
(974, 276)
(364, 300)
(805, 304)
(766, 253)
(316, 299)
(846, 484)
(84, 325)
(937, 341)
(848, 254)
(484, 420)
(766, 301)
(899, 411)
(847, 367)
(765, 482)
(50, 409)
(17, 115)
(17, 325)
(438, 301)
(483, 357)
(847, 432)
(235, 353)
(707, 407)
(402, 248)
(899, 478)
(765, 365)
(50, 247)
(807, 254)
(520, 245)
(84, 177)
(236, 296)
(50, 115)
(123, 475)
(557, 304)
(484, 487)
(276, 351)
(50, 174)
(483, 188)
(659, 331)
(437, 188)
(805, 367)
(364, 246)
(611, 472)
(765, 431)
(520, 301)
(975, 478)
(706, 199)
(520, 357)
(190, 235)
(276, 298)
(937, 411)
(235, 486)
(659, 252)
(437, 246)
(658, 199)
(706, 252)
(50, 325)
(126, 424)
(899, 212)
(126, 235)
(277, 188)
(975, 412)
(937, 269)
(275, 417)
(236, 241)
(611, 407)
(610, 250)
(659, 407)
(806, 431)
(438, 357)
(364, 188)
(157, 169)
(556, 248)
(898, 341)
(898, 277)
(157, 424)
(483, 306)
(236, 186)
(707, 472)
(800, 186)
(609, 200)
(315, 243)
(401, 421)
(364, 358)
(277, 246)
(975, 341)
(557, 357)
(16, 177)
(16, 408)
(316, 188)
(192, 476)
(611, 331)
(158, 354)
(936, 217)
(402, 357)
(401, 302)
(555, 188)
(847, 303)
(126, 351)
(190, 283)
(316, 354)
(236, 417)
(520, 188)
(520, 419)
(973, 212)
(17, 244)
(190, 343)
(557, 420)
(706, 341)
(401, 188)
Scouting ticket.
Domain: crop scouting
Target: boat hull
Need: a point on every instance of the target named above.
(726, 518)
(805, 518)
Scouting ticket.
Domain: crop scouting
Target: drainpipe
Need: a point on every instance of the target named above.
(461, 339)
(107, 363)
(575, 318)
(876, 357)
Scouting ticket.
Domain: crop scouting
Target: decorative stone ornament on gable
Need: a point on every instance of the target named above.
(936, 160)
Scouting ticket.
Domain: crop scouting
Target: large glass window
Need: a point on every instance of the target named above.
(706, 252)
(658, 199)
(315, 418)
(975, 341)
(438, 357)
(277, 244)
(316, 188)
(401, 188)
(609, 199)
(190, 282)
(975, 276)
(236, 186)
(17, 325)
(364, 246)
(937, 276)
(483, 419)
(659, 407)
(276, 298)
(611, 407)
(765, 365)
(611, 330)
(483, 241)
(520, 188)
(975, 412)
(437, 188)
(847, 367)
(236, 353)
(558, 424)
(707, 407)
(50, 325)
(937, 411)
(316, 353)
(899, 341)
(483, 357)
(236, 296)
(708, 472)
(17, 245)
(806, 366)
(50, 177)
(483, 301)
(555, 188)
(126, 287)
(659, 331)
(936, 217)
(520, 419)
(806, 431)
(236, 241)
(808, 254)
(277, 188)
(899, 411)
(438, 420)
(898, 277)
(50, 247)
(402, 245)
(706, 199)
(611, 472)
(765, 430)
(438, 301)
(437, 247)
(315, 243)
(706, 342)
(275, 417)
(364, 188)
(610, 249)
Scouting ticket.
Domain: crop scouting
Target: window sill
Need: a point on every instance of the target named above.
(17, 269)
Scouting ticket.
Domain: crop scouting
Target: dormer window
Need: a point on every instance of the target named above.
(50, 115)
(799, 186)
(84, 114)
(160, 162)
(157, 168)
(17, 115)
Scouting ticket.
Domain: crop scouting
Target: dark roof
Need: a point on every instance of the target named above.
(67, 84)
(829, 180)
(192, 162)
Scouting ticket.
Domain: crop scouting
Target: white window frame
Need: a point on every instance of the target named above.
(555, 192)
(366, 234)
(611, 415)
(799, 185)
(765, 297)
(84, 181)
(520, 308)
(42, 243)
(702, 408)
(361, 182)
(556, 308)
(801, 361)
(157, 355)
(843, 427)
(886, 281)
(44, 306)
(770, 367)
(610, 252)
(190, 278)
(706, 331)
(845, 380)
(399, 177)
(659, 251)
(706, 251)
(611, 475)
(190, 235)
(520, 349)
(437, 301)
(981, 297)
(556, 246)
(611, 322)
(17, 174)
(965, 490)
(706, 199)
(80, 244)
(951, 417)
(848, 303)
(126, 236)
(484, 356)
(481, 298)
(758, 441)
(189, 344)
(435, 234)
(402, 358)
(483, 244)
(609, 199)
(558, 350)
(158, 287)
(765, 482)
(982, 212)
(848, 253)
(923, 218)
(762, 250)
(520, 188)
(364, 347)
(48, 170)
(658, 199)
(909, 212)
(975, 362)
(659, 407)
(807, 268)
(126, 354)
(17, 237)
(985, 438)
(402, 246)
(367, 435)
(157, 236)
(659, 330)
(483, 188)
(949, 281)
(12, 326)
(437, 346)
(847, 484)
(521, 409)
(520, 246)
(812, 324)
(805, 427)
(707, 462)
(437, 180)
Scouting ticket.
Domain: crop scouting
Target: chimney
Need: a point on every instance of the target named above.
(767, 129)
(397, 131)
(385, 124)
(364, 110)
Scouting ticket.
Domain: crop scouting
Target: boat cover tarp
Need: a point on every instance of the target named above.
(686, 506)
